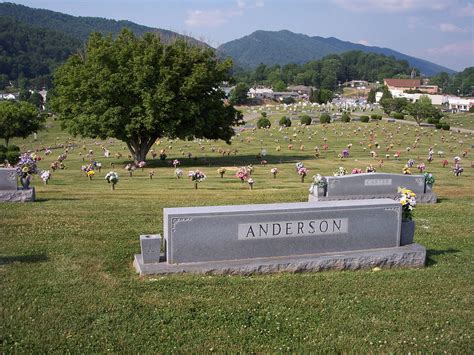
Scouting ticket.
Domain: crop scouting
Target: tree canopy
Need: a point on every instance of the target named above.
(139, 89)
(18, 119)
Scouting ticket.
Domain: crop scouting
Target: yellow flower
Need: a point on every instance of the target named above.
(24, 169)
(91, 173)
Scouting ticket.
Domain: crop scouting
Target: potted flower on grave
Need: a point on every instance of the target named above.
(458, 169)
(302, 172)
(178, 173)
(176, 162)
(340, 172)
(429, 181)
(197, 177)
(112, 178)
(274, 171)
(45, 176)
(25, 168)
(130, 168)
(407, 199)
(356, 171)
(250, 182)
(90, 174)
(370, 169)
(320, 183)
(242, 174)
(406, 170)
(421, 167)
(221, 172)
(141, 164)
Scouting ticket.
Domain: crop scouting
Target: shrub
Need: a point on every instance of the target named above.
(376, 116)
(398, 116)
(285, 121)
(12, 157)
(471, 109)
(364, 118)
(446, 127)
(325, 118)
(306, 120)
(264, 114)
(263, 123)
(346, 117)
(432, 120)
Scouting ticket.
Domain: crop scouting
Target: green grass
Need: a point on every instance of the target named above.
(66, 260)
(461, 120)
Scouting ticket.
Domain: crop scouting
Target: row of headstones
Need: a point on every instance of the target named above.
(335, 231)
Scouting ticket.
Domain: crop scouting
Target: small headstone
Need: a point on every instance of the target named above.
(8, 179)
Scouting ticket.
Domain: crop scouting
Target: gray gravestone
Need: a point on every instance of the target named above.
(237, 239)
(372, 185)
(8, 179)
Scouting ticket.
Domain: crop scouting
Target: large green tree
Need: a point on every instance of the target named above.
(18, 119)
(139, 89)
(239, 94)
(423, 109)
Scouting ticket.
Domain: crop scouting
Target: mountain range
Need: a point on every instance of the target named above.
(284, 47)
(33, 42)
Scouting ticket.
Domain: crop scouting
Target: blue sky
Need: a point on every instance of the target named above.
(441, 31)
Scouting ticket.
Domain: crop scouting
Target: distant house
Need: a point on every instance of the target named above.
(460, 105)
(260, 93)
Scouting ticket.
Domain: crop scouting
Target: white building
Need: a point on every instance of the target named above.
(460, 105)
(260, 93)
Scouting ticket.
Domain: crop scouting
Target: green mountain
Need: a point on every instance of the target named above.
(28, 53)
(33, 42)
(285, 47)
(80, 27)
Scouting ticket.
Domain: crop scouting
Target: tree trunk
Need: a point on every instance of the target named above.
(7, 139)
(139, 149)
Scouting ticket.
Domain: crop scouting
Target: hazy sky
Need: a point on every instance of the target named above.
(441, 31)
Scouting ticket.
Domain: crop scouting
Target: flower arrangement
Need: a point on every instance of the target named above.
(176, 162)
(302, 172)
(274, 171)
(457, 160)
(25, 168)
(411, 163)
(130, 168)
(320, 181)
(98, 165)
(407, 198)
(151, 173)
(421, 167)
(356, 171)
(221, 172)
(445, 163)
(429, 178)
(298, 166)
(250, 169)
(45, 176)
(90, 174)
(250, 182)
(370, 169)
(345, 153)
(178, 173)
(340, 172)
(141, 164)
(197, 177)
(406, 170)
(458, 169)
(112, 178)
(242, 174)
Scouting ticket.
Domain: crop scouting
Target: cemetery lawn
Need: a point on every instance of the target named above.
(461, 120)
(68, 285)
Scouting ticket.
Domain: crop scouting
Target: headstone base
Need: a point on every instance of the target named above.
(408, 256)
(428, 197)
(17, 196)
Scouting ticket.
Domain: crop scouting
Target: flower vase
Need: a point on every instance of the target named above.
(222, 175)
(113, 186)
(302, 178)
(25, 181)
(251, 186)
(196, 185)
(274, 175)
(408, 232)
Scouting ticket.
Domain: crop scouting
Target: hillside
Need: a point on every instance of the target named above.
(32, 53)
(80, 27)
(284, 47)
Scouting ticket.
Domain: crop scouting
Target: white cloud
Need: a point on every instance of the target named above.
(391, 6)
(259, 3)
(451, 28)
(241, 4)
(466, 11)
(457, 48)
(210, 18)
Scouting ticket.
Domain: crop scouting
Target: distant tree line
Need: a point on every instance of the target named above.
(326, 73)
(461, 83)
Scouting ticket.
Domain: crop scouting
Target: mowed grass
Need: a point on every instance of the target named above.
(68, 285)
